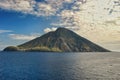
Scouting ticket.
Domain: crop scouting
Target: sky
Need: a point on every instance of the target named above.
(96, 20)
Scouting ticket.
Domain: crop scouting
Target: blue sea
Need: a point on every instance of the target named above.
(38, 66)
(42, 66)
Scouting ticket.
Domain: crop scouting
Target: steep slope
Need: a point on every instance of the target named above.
(62, 40)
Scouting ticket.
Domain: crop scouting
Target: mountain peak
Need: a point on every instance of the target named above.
(63, 32)
(62, 29)
(61, 40)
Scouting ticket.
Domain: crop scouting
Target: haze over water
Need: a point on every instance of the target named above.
(59, 66)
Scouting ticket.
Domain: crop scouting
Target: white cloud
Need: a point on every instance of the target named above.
(5, 31)
(23, 37)
(46, 30)
(93, 19)
(69, 1)
(27, 6)
(47, 8)
(17, 5)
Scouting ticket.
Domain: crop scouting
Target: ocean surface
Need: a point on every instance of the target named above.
(59, 66)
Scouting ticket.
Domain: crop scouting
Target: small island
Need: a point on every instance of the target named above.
(61, 40)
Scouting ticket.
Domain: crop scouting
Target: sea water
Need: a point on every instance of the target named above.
(55, 66)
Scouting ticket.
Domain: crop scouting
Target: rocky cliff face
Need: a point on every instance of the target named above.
(61, 40)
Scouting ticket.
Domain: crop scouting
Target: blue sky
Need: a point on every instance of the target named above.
(24, 20)
(21, 24)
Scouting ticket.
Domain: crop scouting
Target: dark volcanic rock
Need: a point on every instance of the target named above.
(11, 48)
(62, 40)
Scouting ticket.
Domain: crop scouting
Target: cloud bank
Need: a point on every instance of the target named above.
(46, 30)
(43, 8)
(97, 20)
(23, 37)
(5, 31)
